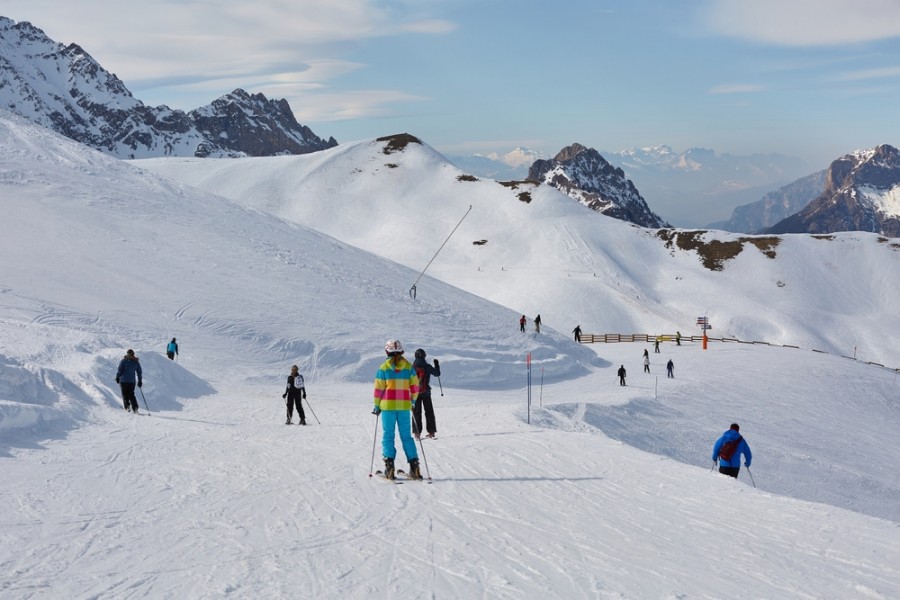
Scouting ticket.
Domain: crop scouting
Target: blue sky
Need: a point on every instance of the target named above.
(809, 78)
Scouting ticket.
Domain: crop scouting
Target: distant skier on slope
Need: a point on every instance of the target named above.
(424, 371)
(537, 323)
(172, 349)
(129, 373)
(577, 332)
(646, 364)
(728, 449)
(294, 395)
(522, 324)
(670, 369)
(621, 374)
(396, 389)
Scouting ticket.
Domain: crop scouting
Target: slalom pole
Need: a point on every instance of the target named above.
(412, 417)
(145, 400)
(751, 477)
(441, 385)
(312, 411)
(541, 395)
(374, 439)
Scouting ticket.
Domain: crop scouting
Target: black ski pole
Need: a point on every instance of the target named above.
(374, 439)
(312, 411)
(412, 416)
(145, 400)
(441, 385)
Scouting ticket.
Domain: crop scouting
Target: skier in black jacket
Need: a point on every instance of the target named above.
(424, 371)
(295, 394)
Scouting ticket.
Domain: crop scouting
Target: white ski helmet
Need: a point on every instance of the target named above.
(393, 347)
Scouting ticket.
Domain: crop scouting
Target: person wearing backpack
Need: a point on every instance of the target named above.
(728, 449)
(424, 371)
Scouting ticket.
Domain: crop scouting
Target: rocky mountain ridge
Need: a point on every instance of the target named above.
(862, 193)
(64, 89)
(583, 174)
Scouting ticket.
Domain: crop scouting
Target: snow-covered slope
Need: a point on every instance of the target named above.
(124, 257)
(599, 491)
(578, 267)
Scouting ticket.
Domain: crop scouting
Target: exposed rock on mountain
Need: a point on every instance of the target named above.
(862, 193)
(587, 177)
(64, 89)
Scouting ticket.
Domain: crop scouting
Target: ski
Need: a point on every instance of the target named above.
(380, 475)
(408, 478)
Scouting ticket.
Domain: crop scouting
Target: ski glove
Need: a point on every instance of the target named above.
(284, 395)
(437, 365)
(117, 380)
(376, 410)
(140, 384)
(413, 405)
(304, 394)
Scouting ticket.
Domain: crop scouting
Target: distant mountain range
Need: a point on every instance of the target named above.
(774, 206)
(64, 89)
(692, 188)
(511, 166)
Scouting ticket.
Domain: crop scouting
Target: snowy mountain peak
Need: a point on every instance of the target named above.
(64, 89)
(862, 193)
(518, 157)
(583, 174)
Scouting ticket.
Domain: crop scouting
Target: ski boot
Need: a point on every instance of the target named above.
(389, 468)
(288, 422)
(414, 472)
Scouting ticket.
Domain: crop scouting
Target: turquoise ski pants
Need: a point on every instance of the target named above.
(400, 419)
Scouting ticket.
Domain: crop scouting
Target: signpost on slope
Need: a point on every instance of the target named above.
(703, 322)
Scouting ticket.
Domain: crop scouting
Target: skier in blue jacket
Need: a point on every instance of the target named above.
(129, 373)
(731, 440)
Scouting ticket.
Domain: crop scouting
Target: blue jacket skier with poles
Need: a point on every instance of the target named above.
(728, 449)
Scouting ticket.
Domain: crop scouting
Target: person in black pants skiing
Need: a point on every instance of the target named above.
(129, 373)
(424, 371)
(295, 394)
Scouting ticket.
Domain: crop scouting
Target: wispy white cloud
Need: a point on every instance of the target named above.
(292, 45)
(739, 88)
(866, 74)
(805, 22)
(359, 104)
